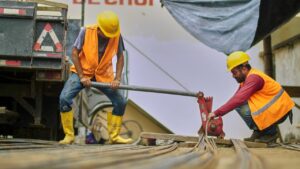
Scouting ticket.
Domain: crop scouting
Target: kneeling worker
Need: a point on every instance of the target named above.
(92, 55)
(260, 101)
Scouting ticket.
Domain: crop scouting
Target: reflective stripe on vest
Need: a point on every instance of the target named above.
(276, 97)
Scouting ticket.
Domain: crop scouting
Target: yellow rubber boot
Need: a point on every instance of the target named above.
(109, 116)
(114, 137)
(67, 123)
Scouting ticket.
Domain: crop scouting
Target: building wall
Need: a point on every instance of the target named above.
(287, 69)
(287, 61)
(287, 31)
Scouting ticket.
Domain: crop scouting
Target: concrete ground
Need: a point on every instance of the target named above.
(36, 154)
(273, 158)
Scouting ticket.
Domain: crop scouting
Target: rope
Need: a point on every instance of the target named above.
(210, 142)
(155, 64)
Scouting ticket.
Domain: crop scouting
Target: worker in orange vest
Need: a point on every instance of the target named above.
(260, 101)
(92, 55)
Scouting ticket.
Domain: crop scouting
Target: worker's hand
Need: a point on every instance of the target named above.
(211, 115)
(85, 81)
(115, 84)
(200, 94)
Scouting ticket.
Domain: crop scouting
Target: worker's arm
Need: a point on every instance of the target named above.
(120, 64)
(77, 64)
(252, 84)
(75, 58)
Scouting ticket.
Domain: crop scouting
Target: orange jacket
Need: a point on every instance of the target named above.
(269, 104)
(88, 57)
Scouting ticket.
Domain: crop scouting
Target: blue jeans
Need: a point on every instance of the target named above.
(73, 86)
(245, 113)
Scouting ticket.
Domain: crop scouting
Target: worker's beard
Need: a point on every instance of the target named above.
(240, 79)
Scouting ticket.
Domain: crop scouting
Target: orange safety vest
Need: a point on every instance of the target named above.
(88, 57)
(269, 104)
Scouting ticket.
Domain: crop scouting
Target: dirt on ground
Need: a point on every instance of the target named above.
(272, 158)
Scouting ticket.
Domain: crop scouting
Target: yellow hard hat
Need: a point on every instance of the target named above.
(108, 22)
(236, 58)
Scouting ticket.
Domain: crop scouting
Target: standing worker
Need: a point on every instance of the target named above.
(259, 100)
(92, 55)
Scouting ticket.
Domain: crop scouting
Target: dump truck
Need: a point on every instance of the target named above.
(33, 67)
(36, 40)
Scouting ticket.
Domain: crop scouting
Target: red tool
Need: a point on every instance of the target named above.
(215, 126)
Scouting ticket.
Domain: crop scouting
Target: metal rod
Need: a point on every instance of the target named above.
(82, 12)
(146, 89)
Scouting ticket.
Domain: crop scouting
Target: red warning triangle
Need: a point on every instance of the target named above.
(47, 30)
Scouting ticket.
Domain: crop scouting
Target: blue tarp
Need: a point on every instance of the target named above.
(230, 25)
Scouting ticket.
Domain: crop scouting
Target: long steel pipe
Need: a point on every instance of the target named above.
(146, 89)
